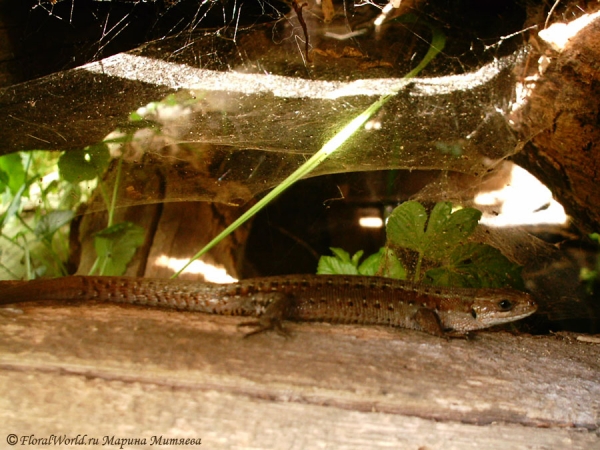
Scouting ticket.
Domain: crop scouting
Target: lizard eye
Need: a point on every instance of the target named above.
(505, 305)
(474, 313)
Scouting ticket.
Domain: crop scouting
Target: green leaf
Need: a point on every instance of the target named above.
(4, 180)
(340, 254)
(14, 172)
(135, 117)
(356, 257)
(476, 265)
(446, 229)
(586, 274)
(441, 241)
(383, 263)
(51, 223)
(406, 226)
(15, 204)
(340, 264)
(80, 165)
(390, 266)
(370, 266)
(116, 245)
(329, 265)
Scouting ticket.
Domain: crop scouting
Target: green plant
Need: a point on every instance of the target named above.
(36, 209)
(42, 189)
(117, 243)
(40, 193)
(384, 263)
(435, 249)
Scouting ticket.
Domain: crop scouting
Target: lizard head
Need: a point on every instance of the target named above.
(496, 306)
(474, 309)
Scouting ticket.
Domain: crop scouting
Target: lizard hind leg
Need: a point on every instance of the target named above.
(278, 310)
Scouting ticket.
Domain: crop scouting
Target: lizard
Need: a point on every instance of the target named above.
(364, 300)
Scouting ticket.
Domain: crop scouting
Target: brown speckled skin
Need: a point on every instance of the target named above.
(326, 298)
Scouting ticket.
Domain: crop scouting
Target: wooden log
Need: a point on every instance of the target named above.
(108, 370)
(559, 126)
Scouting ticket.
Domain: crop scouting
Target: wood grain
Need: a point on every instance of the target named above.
(134, 372)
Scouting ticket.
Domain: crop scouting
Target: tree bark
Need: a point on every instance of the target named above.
(559, 127)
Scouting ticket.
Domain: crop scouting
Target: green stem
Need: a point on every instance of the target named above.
(24, 223)
(46, 243)
(27, 257)
(437, 44)
(113, 203)
(313, 162)
(94, 266)
(111, 213)
(103, 193)
(11, 241)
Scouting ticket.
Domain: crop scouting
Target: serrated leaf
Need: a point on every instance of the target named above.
(476, 265)
(330, 265)
(52, 222)
(356, 257)
(370, 266)
(391, 266)
(383, 263)
(446, 230)
(80, 165)
(339, 264)
(116, 245)
(406, 226)
(340, 254)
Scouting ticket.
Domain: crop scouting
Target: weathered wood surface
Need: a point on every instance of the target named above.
(107, 370)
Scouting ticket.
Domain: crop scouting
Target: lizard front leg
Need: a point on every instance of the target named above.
(429, 322)
(278, 309)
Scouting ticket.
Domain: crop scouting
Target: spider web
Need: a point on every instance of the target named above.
(88, 30)
(450, 120)
(236, 98)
